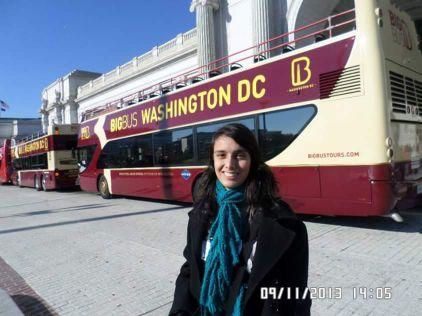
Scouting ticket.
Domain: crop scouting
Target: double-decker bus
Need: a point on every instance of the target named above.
(5, 162)
(48, 161)
(337, 112)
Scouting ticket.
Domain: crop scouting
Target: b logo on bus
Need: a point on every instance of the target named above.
(301, 71)
(85, 132)
(185, 174)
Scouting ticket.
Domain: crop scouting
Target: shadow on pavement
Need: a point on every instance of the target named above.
(59, 210)
(87, 220)
(412, 221)
(31, 306)
(184, 204)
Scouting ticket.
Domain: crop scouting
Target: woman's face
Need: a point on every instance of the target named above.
(231, 162)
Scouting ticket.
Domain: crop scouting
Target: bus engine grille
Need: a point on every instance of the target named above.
(406, 94)
(340, 82)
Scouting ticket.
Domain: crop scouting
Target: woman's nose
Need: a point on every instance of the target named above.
(231, 162)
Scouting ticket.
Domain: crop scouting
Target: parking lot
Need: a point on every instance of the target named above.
(73, 253)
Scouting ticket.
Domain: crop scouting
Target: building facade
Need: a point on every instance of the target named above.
(173, 57)
(18, 128)
(58, 99)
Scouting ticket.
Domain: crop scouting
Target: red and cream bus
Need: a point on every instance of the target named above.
(337, 112)
(5, 162)
(47, 162)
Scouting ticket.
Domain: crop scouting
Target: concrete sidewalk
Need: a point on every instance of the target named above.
(82, 255)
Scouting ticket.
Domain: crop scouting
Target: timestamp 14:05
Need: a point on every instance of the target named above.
(379, 293)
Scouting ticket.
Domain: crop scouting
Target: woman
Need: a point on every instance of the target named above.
(245, 247)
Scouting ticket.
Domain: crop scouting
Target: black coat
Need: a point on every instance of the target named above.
(280, 261)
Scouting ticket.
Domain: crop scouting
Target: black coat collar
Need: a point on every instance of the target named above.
(273, 240)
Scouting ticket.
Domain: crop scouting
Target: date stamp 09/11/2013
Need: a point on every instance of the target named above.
(318, 293)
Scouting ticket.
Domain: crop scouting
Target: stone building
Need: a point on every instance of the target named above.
(18, 128)
(58, 99)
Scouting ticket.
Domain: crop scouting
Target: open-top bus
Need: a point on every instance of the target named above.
(337, 112)
(47, 162)
(5, 162)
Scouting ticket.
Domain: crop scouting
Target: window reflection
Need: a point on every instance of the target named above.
(174, 147)
(35, 162)
(205, 133)
(277, 130)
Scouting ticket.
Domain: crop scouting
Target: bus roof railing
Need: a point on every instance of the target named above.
(260, 52)
(30, 137)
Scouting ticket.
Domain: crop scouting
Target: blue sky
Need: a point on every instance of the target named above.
(42, 40)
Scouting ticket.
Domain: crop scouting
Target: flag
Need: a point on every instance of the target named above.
(3, 105)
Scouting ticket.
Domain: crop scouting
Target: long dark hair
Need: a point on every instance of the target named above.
(260, 185)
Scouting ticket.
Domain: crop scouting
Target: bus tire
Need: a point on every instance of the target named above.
(37, 184)
(44, 184)
(103, 188)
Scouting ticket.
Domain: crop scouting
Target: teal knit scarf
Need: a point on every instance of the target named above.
(224, 253)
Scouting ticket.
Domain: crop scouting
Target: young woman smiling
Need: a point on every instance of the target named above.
(242, 238)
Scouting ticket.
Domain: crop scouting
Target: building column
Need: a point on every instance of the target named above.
(205, 31)
(73, 113)
(59, 113)
(261, 19)
(44, 120)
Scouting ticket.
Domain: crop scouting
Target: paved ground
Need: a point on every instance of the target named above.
(73, 253)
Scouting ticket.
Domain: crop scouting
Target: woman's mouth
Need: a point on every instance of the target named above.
(230, 174)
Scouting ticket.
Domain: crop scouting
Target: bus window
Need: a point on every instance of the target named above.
(109, 156)
(143, 151)
(17, 164)
(71, 144)
(127, 153)
(42, 162)
(84, 156)
(205, 136)
(32, 162)
(277, 130)
(174, 147)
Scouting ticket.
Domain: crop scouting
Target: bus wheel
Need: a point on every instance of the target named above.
(103, 188)
(37, 185)
(43, 184)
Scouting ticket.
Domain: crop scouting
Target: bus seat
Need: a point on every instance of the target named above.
(287, 49)
(180, 85)
(197, 79)
(319, 37)
(166, 90)
(154, 94)
(235, 66)
(258, 58)
(214, 73)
